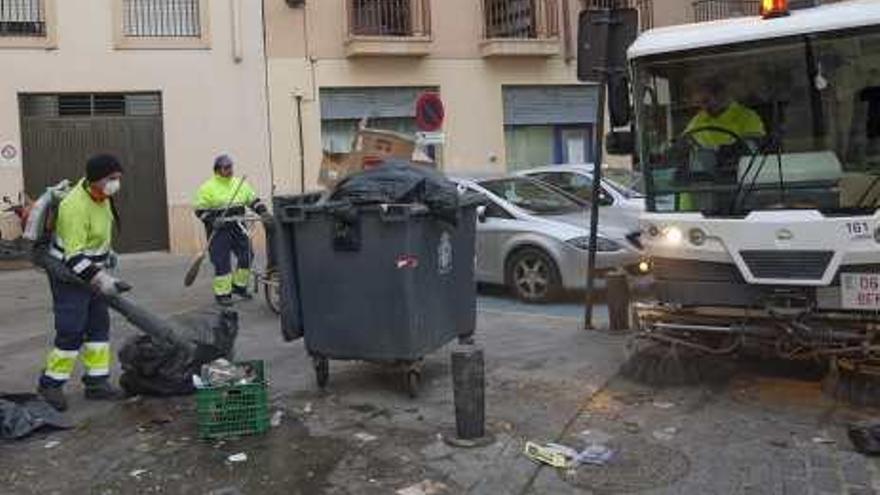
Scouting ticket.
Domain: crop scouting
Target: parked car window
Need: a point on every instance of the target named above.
(532, 196)
(578, 185)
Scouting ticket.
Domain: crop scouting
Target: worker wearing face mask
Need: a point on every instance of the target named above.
(82, 240)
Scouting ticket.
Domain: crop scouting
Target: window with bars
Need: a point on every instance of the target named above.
(20, 18)
(520, 19)
(162, 18)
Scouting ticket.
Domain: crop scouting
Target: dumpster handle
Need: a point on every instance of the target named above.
(293, 214)
(394, 213)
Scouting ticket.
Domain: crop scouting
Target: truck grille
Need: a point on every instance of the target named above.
(801, 265)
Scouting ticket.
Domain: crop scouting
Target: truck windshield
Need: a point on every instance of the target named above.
(780, 124)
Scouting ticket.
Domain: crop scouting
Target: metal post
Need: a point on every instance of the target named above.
(468, 388)
(618, 301)
(594, 206)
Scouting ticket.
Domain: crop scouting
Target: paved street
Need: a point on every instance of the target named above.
(547, 380)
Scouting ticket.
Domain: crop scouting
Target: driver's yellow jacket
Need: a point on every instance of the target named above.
(739, 120)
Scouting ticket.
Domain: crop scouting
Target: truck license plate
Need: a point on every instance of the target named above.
(860, 290)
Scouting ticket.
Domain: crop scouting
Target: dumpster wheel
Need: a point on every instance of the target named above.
(413, 382)
(322, 370)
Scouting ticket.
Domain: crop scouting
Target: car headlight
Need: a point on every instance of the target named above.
(672, 235)
(603, 245)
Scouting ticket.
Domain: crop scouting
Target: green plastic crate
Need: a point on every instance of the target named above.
(234, 410)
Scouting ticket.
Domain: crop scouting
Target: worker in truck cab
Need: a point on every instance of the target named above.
(720, 111)
(219, 198)
(82, 240)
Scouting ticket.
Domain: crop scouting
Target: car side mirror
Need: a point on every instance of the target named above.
(481, 214)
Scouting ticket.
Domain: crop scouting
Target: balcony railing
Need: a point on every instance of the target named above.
(713, 10)
(22, 18)
(389, 18)
(645, 8)
(521, 19)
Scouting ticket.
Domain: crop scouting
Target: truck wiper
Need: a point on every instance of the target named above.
(865, 194)
(774, 141)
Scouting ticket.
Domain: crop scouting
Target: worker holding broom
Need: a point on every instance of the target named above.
(220, 197)
(82, 238)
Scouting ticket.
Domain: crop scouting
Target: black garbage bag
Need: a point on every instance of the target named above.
(23, 414)
(164, 367)
(865, 437)
(400, 181)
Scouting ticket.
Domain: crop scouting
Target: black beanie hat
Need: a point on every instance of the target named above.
(100, 166)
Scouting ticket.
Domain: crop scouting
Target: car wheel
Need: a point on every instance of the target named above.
(532, 276)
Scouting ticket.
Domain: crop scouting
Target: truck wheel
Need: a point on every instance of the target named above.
(532, 276)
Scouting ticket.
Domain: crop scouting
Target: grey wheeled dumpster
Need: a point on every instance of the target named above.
(385, 282)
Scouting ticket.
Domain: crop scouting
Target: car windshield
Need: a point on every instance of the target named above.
(625, 181)
(790, 123)
(531, 196)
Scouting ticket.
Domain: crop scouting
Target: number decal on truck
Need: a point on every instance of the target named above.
(858, 230)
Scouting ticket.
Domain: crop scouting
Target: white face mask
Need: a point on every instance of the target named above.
(112, 187)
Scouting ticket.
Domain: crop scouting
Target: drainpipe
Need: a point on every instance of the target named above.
(267, 95)
(237, 50)
(566, 32)
(302, 151)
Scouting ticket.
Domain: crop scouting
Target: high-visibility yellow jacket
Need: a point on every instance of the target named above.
(83, 231)
(742, 121)
(216, 193)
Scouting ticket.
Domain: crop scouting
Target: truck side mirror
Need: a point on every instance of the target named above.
(619, 143)
(481, 214)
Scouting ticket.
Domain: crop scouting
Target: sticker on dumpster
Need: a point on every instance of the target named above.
(444, 254)
(407, 261)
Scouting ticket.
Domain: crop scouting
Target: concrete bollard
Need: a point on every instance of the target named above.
(618, 301)
(468, 388)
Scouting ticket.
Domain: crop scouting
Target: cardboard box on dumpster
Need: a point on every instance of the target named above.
(370, 147)
(386, 143)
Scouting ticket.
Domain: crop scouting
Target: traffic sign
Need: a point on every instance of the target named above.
(429, 112)
(426, 138)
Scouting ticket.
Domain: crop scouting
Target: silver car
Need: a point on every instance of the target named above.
(534, 238)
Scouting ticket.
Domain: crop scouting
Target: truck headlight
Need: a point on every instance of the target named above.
(603, 245)
(672, 235)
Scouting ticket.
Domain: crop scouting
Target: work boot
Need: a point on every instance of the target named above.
(99, 388)
(54, 396)
(242, 292)
(225, 300)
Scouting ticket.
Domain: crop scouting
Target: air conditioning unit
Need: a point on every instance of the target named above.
(296, 3)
